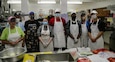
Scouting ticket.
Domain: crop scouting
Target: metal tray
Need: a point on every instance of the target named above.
(56, 57)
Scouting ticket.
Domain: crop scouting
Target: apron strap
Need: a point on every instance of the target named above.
(97, 22)
(43, 28)
(17, 30)
(48, 27)
(10, 31)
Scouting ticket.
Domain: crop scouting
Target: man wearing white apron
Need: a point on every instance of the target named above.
(12, 36)
(73, 30)
(95, 32)
(45, 34)
(84, 34)
(59, 35)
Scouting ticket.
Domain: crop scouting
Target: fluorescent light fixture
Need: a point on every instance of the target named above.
(14, 2)
(46, 2)
(74, 2)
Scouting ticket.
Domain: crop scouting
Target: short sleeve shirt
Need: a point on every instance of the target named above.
(5, 32)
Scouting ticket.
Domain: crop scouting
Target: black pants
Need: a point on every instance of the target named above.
(111, 50)
(56, 49)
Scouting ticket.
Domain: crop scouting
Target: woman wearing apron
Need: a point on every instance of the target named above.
(73, 31)
(12, 36)
(84, 34)
(95, 32)
(45, 34)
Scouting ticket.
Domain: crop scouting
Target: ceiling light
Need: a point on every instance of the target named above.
(46, 2)
(14, 2)
(74, 2)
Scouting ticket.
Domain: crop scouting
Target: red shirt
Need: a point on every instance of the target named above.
(51, 22)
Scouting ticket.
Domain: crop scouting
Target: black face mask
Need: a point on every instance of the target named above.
(73, 18)
(32, 17)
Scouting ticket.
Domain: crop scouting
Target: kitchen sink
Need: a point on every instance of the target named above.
(55, 57)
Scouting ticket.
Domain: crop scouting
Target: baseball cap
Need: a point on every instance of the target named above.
(12, 18)
(94, 11)
(31, 13)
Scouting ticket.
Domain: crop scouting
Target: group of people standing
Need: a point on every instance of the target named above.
(55, 34)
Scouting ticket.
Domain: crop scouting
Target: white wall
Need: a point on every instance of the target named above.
(91, 5)
(35, 7)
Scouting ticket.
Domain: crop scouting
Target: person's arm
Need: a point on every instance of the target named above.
(22, 34)
(39, 34)
(5, 42)
(25, 25)
(51, 35)
(101, 27)
(89, 32)
(23, 43)
(79, 26)
(38, 23)
(19, 40)
(90, 36)
(99, 35)
(50, 40)
(40, 38)
(4, 36)
(67, 30)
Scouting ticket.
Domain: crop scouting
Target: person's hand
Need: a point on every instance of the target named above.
(45, 45)
(48, 43)
(17, 42)
(78, 36)
(93, 40)
(75, 41)
(12, 43)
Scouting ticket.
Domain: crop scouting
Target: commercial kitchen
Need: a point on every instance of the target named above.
(57, 30)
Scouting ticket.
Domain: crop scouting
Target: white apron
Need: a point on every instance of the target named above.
(84, 36)
(23, 30)
(12, 37)
(45, 35)
(59, 36)
(99, 42)
(74, 30)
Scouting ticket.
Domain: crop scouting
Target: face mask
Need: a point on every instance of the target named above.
(73, 17)
(94, 16)
(50, 13)
(17, 20)
(57, 15)
(32, 17)
(45, 23)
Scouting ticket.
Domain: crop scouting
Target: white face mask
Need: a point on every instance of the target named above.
(50, 13)
(57, 14)
(94, 16)
(17, 20)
